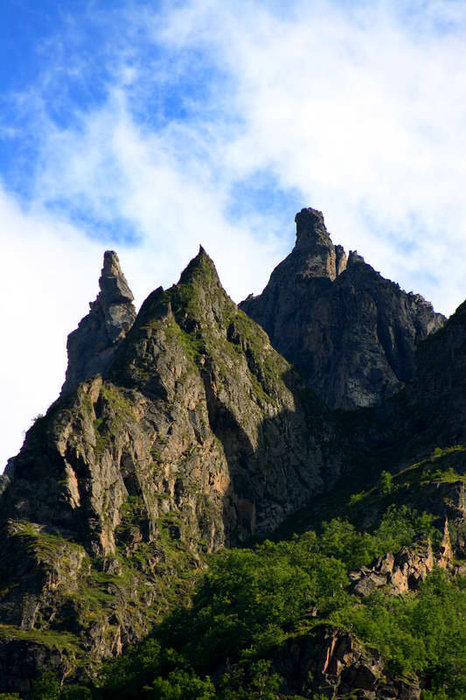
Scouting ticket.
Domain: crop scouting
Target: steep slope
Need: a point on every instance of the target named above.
(350, 332)
(436, 396)
(369, 608)
(430, 411)
(417, 437)
(200, 435)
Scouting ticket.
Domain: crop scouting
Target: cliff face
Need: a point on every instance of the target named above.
(430, 411)
(198, 437)
(350, 332)
(212, 374)
(435, 398)
(92, 345)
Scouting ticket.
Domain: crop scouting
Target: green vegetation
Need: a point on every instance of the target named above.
(444, 465)
(386, 483)
(193, 346)
(46, 547)
(422, 634)
(223, 632)
(50, 639)
(265, 364)
(225, 333)
(230, 623)
(251, 603)
(115, 411)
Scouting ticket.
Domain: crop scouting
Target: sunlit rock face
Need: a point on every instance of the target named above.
(350, 332)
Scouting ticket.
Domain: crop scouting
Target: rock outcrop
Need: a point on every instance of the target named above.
(330, 662)
(430, 411)
(404, 571)
(92, 345)
(434, 403)
(350, 332)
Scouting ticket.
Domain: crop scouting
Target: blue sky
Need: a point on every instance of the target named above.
(151, 127)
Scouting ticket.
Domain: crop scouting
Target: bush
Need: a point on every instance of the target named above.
(386, 483)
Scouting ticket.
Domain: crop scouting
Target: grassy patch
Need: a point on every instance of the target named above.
(115, 411)
(50, 639)
(193, 346)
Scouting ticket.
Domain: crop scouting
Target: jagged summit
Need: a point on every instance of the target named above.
(351, 332)
(92, 345)
(314, 255)
(201, 267)
(112, 282)
(354, 258)
(310, 229)
(172, 453)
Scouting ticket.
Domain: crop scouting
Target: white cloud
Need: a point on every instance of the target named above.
(365, 117)
(52, 267)
(358, 107)
(48, 274)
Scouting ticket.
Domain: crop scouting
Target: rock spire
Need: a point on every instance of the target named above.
(92, 345)
(314, 254)
(350, 332)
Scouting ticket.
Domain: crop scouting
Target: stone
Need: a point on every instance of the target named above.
(335, 661)
(404, 571)
(183, 431)
(92, 345)
(350, 332)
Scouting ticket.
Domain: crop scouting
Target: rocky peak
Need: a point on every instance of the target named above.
(92, 345)
(310, 229)
(199, 435)
(314, 254)
(174, 452)
(112, 282)
(201, 271)
(350, 332)
(354, 258)
(341, 261)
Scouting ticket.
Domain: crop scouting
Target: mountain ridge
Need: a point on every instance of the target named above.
(194, 435)
(350, 332)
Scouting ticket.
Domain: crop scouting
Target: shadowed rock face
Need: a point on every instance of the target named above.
(350, 332)
(92, 345)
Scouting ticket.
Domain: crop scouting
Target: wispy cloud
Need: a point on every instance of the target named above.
(207, 122)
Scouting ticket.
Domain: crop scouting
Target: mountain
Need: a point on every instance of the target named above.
(197, 435)
(350, 332)
(181, 437)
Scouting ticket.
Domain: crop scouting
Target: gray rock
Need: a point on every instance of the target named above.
(92, 345)
(405, 570)
(350, 332)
